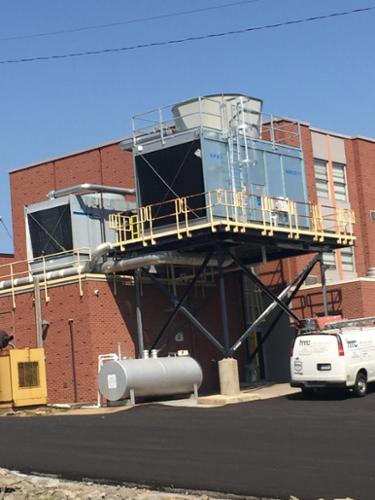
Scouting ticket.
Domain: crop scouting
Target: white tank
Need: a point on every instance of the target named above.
(149, 377)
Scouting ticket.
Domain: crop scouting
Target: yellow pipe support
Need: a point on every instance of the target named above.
(13, 292)
(150, 220)
(296, 219)
(185, 209)
(79, 276)
(270, 219)
(177, 216)
(263, 200)
(142, 226)
(210, 212)
(227, 227)
(291, 214)
(46, 296)
(235, 210)
(321, 224)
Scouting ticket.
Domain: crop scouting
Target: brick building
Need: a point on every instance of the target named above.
(92, 314)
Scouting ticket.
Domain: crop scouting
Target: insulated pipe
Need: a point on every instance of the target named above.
(98, 188)
(59, 272)
(97, 253)
(158, 259)
(28, 280)
(85, 267)
(128, 144)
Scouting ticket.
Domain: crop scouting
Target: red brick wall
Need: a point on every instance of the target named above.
(103, 319)
(363, 155)
(6, 258)
(352, 300)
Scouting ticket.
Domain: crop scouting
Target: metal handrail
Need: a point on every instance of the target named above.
(80, 254)
(239, 211)
(277, 130)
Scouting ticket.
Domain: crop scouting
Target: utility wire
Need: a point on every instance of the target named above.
(6, 229)
(188, 39)
(129, 21)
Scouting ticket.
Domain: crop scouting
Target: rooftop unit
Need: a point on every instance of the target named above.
(218, 144)
(56, 229)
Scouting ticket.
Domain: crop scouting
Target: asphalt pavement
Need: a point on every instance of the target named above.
(315, 448)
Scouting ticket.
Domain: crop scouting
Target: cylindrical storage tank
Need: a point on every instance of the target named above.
(149, 377)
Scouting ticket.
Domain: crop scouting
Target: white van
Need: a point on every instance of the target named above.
(334, 358)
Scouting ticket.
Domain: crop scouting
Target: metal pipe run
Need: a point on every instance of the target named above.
(157, 259)
(87, 187)
(60, 270)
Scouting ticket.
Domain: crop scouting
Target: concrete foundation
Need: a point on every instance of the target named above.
(228, 377)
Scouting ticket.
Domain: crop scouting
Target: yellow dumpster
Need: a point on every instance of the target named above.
(23, 377)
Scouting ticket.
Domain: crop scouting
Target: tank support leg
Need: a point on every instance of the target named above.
(195, 392)
(132, 396)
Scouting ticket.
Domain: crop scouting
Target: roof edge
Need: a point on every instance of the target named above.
(68, 155)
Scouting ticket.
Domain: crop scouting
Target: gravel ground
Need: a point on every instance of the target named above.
(16, 486)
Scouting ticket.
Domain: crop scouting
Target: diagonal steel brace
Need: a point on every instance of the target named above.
(279, 314)
(300, 278)
(191, 285)
(186, 312)
(251, 275)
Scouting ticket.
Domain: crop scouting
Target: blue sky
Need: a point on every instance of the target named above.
(322, 72)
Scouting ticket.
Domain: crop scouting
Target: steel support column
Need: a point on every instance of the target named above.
(324, 284)
(137, 280)
(180, 303)
(223, 299)
(185, 311)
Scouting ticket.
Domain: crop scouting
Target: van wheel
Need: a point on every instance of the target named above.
(360, 386)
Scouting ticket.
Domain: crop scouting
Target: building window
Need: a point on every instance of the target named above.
(339, 181)
(347, 259)
(329, 260)
(322, 175)
(321, 179)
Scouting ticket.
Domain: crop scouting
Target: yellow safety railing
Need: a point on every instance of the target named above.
(18, 275)
(234, 211)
